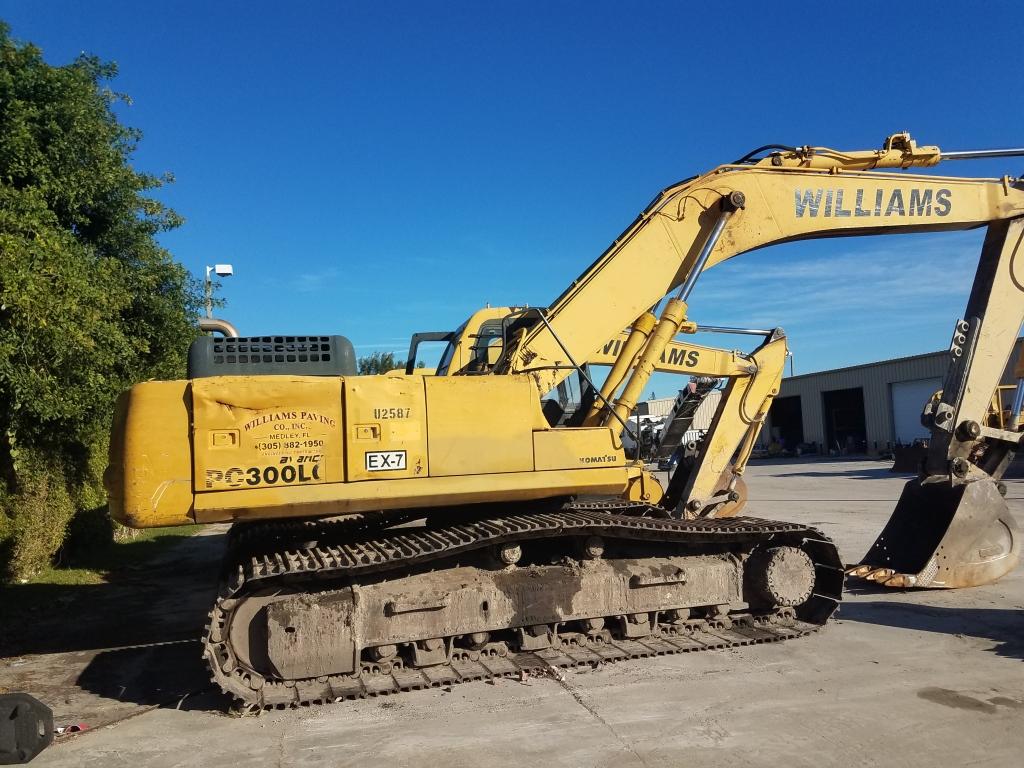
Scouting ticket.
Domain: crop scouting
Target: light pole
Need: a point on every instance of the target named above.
(221, 270)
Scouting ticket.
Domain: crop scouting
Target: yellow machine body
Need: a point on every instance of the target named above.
(246, 447)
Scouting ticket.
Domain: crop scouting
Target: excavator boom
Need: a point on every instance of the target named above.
(781, 204)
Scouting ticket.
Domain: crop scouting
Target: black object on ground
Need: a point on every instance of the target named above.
(26, 728)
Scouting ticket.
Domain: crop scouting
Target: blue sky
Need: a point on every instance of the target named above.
(379, 168)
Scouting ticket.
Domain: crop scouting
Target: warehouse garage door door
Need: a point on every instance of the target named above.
(787, 421)
(845, 427)
(908, 398)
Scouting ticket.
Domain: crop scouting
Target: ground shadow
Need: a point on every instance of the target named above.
(812, 459)
(165, 598)
(133, 639)
(1000, 625)
(860, 473)
(170, 675)
(788, 461)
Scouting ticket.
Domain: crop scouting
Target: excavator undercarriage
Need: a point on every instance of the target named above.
(320, 612)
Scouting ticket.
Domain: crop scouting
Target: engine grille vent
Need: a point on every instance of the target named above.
(268, 355)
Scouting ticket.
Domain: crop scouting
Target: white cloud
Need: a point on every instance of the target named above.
(931, 275)
(312, 282)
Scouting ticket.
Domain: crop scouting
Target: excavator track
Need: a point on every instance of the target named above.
(321, 579)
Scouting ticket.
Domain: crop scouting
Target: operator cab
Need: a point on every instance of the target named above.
(475, 347)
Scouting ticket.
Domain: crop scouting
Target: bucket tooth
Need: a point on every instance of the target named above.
(881, 575)
(901, 581)
(944, 536)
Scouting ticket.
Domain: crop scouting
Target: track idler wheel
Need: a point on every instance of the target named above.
(782, 576)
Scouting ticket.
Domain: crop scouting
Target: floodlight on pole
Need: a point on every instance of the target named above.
(221, 270)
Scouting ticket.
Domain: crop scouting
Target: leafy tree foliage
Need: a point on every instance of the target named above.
(381, 362)
(89, 301)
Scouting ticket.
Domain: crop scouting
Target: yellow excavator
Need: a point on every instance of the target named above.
(396, 531)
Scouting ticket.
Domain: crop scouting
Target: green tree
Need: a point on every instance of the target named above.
(379, 362)
(89, 301)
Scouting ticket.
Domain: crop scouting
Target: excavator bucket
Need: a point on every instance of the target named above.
(943, 536)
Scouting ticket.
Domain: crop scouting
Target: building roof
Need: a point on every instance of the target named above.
(890, 361)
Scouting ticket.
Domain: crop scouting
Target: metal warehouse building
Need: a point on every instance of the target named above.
(861, 409)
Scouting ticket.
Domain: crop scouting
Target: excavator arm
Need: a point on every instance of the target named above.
(951, 527)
